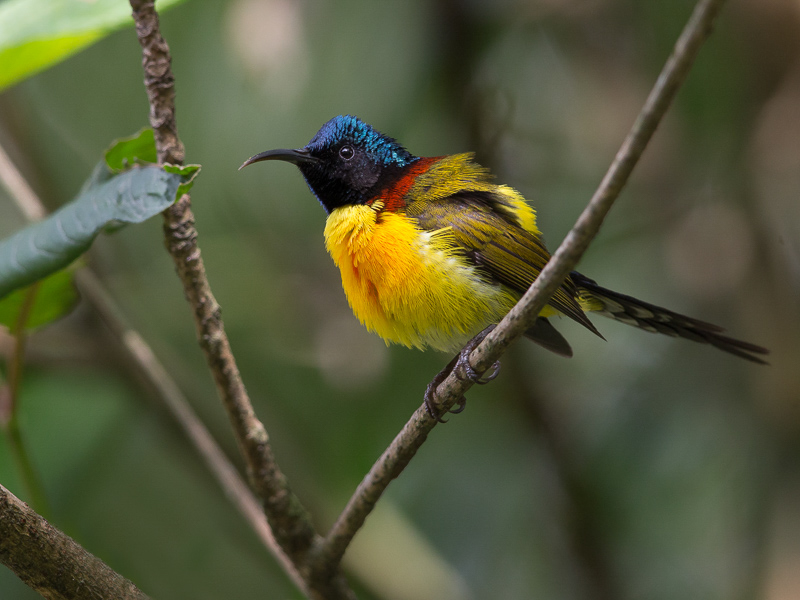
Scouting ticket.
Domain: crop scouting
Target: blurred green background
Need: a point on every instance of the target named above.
(645, 467)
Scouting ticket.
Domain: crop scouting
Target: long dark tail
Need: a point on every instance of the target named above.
(660, 320)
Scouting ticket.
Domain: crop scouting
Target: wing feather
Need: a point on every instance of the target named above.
(497, 243)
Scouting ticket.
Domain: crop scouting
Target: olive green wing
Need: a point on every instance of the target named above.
(494, 241)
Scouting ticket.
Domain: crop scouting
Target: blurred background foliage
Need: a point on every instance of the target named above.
(644, 467)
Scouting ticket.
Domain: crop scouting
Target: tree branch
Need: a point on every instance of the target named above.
(289, 519)
(51, 562)
(328, 555)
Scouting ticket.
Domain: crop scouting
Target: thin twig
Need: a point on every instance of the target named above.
(142, 355)
(289, 519)
(51, 562)
(520, 318)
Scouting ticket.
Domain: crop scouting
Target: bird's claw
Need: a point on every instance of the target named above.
(463, 370)
(487, 376)
(430, 393)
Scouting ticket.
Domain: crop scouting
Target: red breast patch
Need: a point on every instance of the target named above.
(392, 196)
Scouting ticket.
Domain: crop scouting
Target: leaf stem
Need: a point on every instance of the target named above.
(9, 415)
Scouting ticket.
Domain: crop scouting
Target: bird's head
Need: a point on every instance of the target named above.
(346, 162)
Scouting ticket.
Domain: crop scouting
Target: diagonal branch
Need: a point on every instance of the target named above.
(520, 318)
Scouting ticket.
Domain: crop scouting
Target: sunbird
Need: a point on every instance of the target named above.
(432, 251)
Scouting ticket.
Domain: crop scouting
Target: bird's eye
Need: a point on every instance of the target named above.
(346, 152)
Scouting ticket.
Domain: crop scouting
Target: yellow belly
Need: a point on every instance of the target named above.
(408, 285)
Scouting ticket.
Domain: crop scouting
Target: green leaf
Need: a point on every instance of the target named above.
(129, 151)
(106, 203)
(55, 298)
(186, 173)
(35, 34)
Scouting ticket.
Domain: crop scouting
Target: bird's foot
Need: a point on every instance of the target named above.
(430, 393)
(463, 370)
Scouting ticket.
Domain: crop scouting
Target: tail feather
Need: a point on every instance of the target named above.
(544, 334)
(655, 319)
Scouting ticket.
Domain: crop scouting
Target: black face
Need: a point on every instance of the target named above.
(345, 174)
(347, 162)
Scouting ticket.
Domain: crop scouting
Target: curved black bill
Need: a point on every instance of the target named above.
(292, 156)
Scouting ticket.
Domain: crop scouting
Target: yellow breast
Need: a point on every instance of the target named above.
(408, 285)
